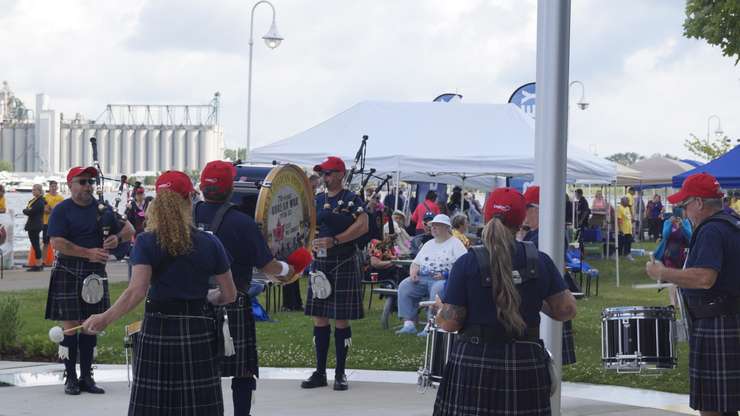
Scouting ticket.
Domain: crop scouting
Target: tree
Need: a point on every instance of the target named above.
(666, 155)
(6, 166)
(231, 154)
(627, 159)
(717, 22)
(708, 149)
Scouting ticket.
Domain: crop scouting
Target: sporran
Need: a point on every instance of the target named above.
(92, 288)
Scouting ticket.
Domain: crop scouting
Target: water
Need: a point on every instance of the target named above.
(16, 202)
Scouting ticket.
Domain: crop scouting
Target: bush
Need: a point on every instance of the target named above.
(10, 322)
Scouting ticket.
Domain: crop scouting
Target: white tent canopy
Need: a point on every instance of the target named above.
(430, 138)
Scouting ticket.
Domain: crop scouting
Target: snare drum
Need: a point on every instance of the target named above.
(637, 338)
(437, 353)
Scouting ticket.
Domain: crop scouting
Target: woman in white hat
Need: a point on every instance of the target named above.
(428, 272)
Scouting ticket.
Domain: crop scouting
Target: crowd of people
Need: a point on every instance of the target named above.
(192, 264)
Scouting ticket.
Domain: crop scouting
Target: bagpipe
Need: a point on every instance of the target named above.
(108, 216)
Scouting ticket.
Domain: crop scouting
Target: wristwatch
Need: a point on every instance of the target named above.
(335, 242)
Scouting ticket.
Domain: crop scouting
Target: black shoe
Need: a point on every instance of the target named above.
(340, 382)
(316, 380)
(87, 384)
(35, 269)
(71, 386)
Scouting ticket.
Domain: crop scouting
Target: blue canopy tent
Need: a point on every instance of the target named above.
(726, 169)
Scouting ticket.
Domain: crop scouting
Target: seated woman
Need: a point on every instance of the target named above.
(381, 253)
(403, 239)
(460, 229)
(428, 272)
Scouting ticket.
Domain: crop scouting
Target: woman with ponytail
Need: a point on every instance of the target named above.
(176, 370)
(495, 292)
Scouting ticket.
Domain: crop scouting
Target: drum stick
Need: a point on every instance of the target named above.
(652, 286)
(70, 330)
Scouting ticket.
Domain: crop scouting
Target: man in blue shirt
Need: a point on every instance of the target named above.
(244, 242)
(710, 285)
(76, 232)
(342, 223)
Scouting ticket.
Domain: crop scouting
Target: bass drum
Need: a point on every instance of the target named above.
(281, 201)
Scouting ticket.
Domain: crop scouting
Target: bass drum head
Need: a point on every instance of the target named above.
(286, 210)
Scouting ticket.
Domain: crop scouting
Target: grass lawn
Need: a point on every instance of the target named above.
(287, 342)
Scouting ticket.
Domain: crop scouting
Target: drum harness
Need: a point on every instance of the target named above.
(721, 305)
(476, 334)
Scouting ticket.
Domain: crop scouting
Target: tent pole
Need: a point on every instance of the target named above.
(616, 234)
(607, 218)
(398, 188)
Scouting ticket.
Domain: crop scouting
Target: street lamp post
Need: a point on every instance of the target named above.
(272, 40)
(582, 103)
(717, 132)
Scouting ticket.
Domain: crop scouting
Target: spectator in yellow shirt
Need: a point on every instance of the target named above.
(736, 202)
(460, 228)
(2, 199)
(52, 198)
(624, 222)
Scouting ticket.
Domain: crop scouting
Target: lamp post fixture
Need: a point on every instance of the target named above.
(582, 103)
(717, 132)
(272, 39)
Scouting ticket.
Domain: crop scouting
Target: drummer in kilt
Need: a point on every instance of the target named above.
(710, 285)
(77, 235)
(244, 242)
(341, 220)
(532, 223)
(176, 368)
(498, 364)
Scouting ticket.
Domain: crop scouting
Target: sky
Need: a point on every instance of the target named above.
(648, 86)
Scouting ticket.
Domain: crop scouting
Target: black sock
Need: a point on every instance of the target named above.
(70, 363)
(241, 394)
(342, 341)
(87, 347)
(321, 335)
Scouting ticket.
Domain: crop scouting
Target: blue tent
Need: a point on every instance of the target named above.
(726, 169)
(694, 163)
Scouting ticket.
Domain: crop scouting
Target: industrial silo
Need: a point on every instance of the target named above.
(19, 156)
(8, 144)
(140, 149)
(192, 149)
(127, 150)
(179, 145)
(90, 131)
(64, 133)
(165, 148)
(102, 136)
(75, 149)
(114, 150)
(152, 154)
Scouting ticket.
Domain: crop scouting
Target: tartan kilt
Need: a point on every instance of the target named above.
(176, 368)
(242, 330)
(345, 302)
(569, 344)
(495, 379)
(714, 364)
(64, 300)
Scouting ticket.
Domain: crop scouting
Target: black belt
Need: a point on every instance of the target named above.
(479, 334)
(712, 308)
(195, 307)
(66, 257)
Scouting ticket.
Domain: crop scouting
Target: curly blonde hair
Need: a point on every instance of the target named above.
(170, 218)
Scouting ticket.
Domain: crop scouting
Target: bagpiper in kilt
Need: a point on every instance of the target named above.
(245, 244)
(494, 295)
(176, 355)
(710, 289)
(76, 290)
(334, 290)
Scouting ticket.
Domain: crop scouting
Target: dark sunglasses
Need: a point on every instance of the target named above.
(84, 182)
(327, 172)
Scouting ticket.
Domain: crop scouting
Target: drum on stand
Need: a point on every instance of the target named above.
(437, 353)
(638, 338)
